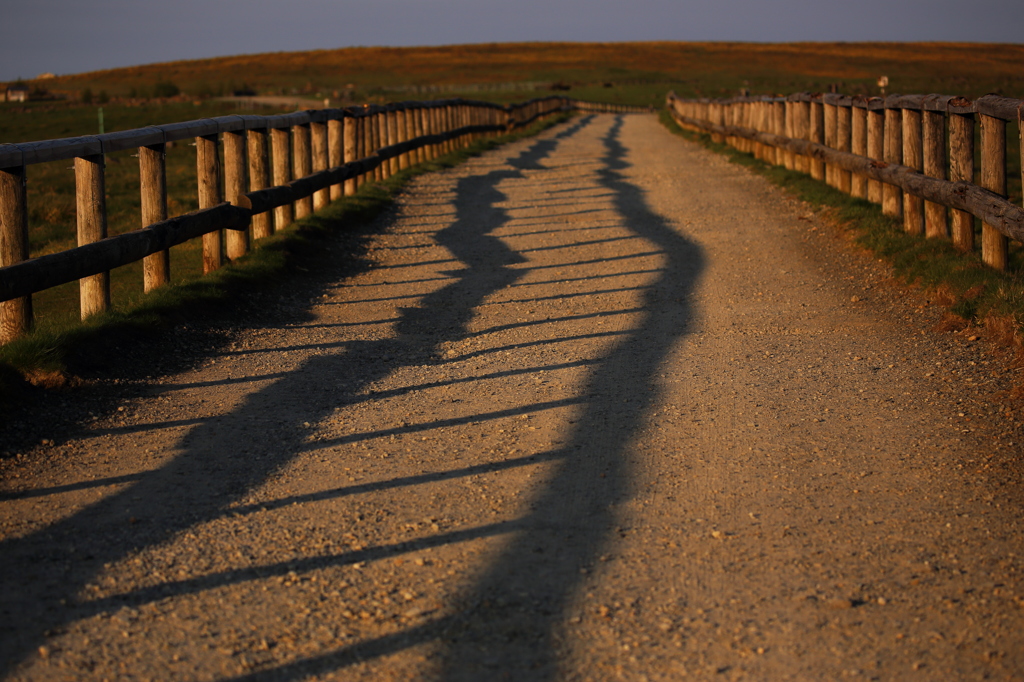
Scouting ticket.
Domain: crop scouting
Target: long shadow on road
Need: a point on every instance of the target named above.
(511, 615)
(45, 573)
(520, 601)
(507, 629)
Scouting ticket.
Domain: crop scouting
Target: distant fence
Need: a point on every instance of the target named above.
(891, 151)
(256, 174)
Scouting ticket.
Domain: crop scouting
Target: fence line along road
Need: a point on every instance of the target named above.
(891, 151)
(276, 169)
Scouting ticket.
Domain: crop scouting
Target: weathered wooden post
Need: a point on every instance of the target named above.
(259, 178)
(418, 130)
(319, 156)
(365, 142)
(933, 151)
(789, 118)
(403, 135)
(777, 126)
(235, 182)
(844, 131)
(802, 130)
(859, 144)
(876, 143)
(156, 268)
(16, 314)
(210, 195)
(994, 244)
(805, 130)
(351, 149)
(430, 128)
(380, 139)
(280, 142)
(448, 116)
(961, 169)
(756, 121)
(830, 137)
(391, 136)
(336, 149)
(913, 206)
(892, 199)
(90, 191)
(817, 135)
(302, 165)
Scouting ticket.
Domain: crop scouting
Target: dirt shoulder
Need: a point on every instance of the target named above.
(606, 406)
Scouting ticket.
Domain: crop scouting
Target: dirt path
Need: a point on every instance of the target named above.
(609, 407)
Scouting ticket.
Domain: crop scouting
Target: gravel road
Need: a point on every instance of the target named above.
(606, 407)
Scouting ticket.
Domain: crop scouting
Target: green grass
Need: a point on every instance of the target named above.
(974, 292)
(67, 349)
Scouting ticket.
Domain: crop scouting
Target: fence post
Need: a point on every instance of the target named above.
(90, 191)
(831, 136)
(446, 125)
(16, 314)
(350, 149)
(859, 145)
(259, 178)
(756, 122)
(817, 135)
(318, 159)
(934, 159)
(802, 131)
(156, 268)
(418, 130)
(913, 206)
(892, 204)
(789, 131)
(366, 142)
(876, 144)
(994, 244)
(380, 139)
(401, 134)
(302, 165)
(778, 127)
(281, 148)
(961, 169)
(336, 149)
(844, 115)
(237, 242)
(208, 174)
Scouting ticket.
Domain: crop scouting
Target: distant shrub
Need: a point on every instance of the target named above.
(103, 97)
(165, 89)
(86, 96)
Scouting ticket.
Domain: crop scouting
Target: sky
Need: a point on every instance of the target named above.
(74, 36)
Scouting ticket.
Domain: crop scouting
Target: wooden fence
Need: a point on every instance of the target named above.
(256, 174)
(892, 151)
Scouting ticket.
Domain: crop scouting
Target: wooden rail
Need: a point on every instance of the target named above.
(275, 169)
(890, 151)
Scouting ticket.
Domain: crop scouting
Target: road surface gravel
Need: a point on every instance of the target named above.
(606, 407)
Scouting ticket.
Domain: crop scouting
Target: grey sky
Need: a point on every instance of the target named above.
(72, 36)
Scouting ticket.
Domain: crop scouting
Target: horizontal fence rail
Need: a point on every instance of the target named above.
(256, 174)
(892, 151)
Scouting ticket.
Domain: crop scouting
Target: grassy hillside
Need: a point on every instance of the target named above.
(634, 72)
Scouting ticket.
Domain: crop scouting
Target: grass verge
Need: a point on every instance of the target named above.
(63, 355)
(973, 293)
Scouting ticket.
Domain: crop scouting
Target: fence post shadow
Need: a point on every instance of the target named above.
(509, 622)
(226, 457)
